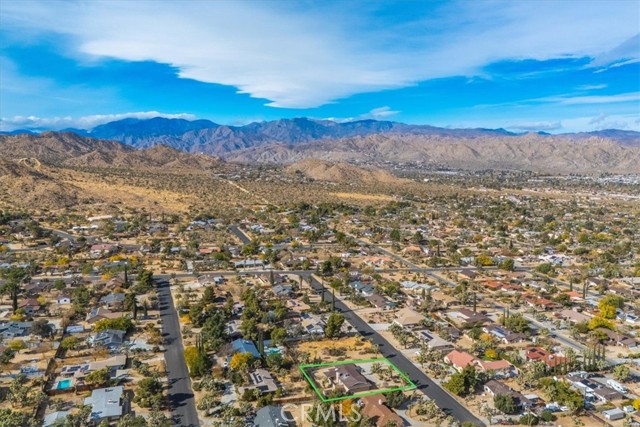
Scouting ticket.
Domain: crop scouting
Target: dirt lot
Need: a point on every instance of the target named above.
(352, 348)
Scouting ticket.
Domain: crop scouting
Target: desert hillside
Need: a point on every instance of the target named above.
(322, 170)
(531, 152)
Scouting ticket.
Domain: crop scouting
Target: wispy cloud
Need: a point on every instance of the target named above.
(600, 122)
(380, 113)
(592, 87)
(568, 99)
(302, 57)
(595, 99)
(86, 122)
(536, 126)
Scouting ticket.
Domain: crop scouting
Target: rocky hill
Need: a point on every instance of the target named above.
(367, 141)
(533, 152)
(71, 149)
(321, 170)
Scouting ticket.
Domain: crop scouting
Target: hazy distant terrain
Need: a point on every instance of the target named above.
(59, 170)
(322, 170)
(531, 152)
(366, 142)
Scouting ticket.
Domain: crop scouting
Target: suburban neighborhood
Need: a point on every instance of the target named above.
(469, 312)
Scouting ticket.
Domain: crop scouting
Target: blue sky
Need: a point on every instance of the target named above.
(557, 66)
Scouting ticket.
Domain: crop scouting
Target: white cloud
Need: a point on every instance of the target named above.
(380, 113)
(600, 122)
(592, 87)
(536, 126)
(596, 99)
(86, 122)
(302, 57)
(625, 53)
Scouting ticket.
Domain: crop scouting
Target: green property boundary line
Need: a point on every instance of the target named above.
(303, 368)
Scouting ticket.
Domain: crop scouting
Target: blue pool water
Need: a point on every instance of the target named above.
(64, 384)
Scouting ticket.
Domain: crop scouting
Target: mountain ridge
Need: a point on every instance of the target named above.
(365, 142)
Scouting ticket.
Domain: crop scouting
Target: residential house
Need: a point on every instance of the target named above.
(499, 368)
(542, 355)
(78, 371)
(312, 325)
(272, 416)
(606, 394)
(468, 273)
(415, 288)
(262, 380)
(14, 329)
(282, 291)
(434, 342)
(380, 302)
(374, 407)
(297, 306)
(594, 389)
(573, 316)
(30, 306)
(459, 359)
(106, 404)
(55, 418)
(494, 388)
(112, 301)
(541, 303)
(349, 377)
(503, 334)
(109, 338)
(100, 313)
(63, 299)
(233, 328)
(465, 317)
(100, 250)
(613, 414)
(408, 318)
(245, 346)
(363, 289)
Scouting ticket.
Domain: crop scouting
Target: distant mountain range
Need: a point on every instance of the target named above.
(370, 141)
(71, 149)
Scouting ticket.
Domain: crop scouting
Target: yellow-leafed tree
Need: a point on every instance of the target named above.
(240, 361)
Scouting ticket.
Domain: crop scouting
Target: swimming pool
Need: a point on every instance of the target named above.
(63, 384)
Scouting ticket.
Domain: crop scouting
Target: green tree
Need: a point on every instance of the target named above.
(120, 323)
(158, 419)
(507, 264)
(11, 418)
(505, 403)
(621, 373)
(100, 377)
(278, 335)
(148, 393)
(334, 325)
(464, 382)
(70, 343)
(197, 361)
(131, 420)
(42, 328)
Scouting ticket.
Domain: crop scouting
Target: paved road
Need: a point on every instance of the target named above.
(240, 234)
(425, 384)
(180, 393)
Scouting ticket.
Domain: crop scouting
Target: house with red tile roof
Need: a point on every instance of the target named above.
(374, 407)
(459, 359)
(540, 354)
